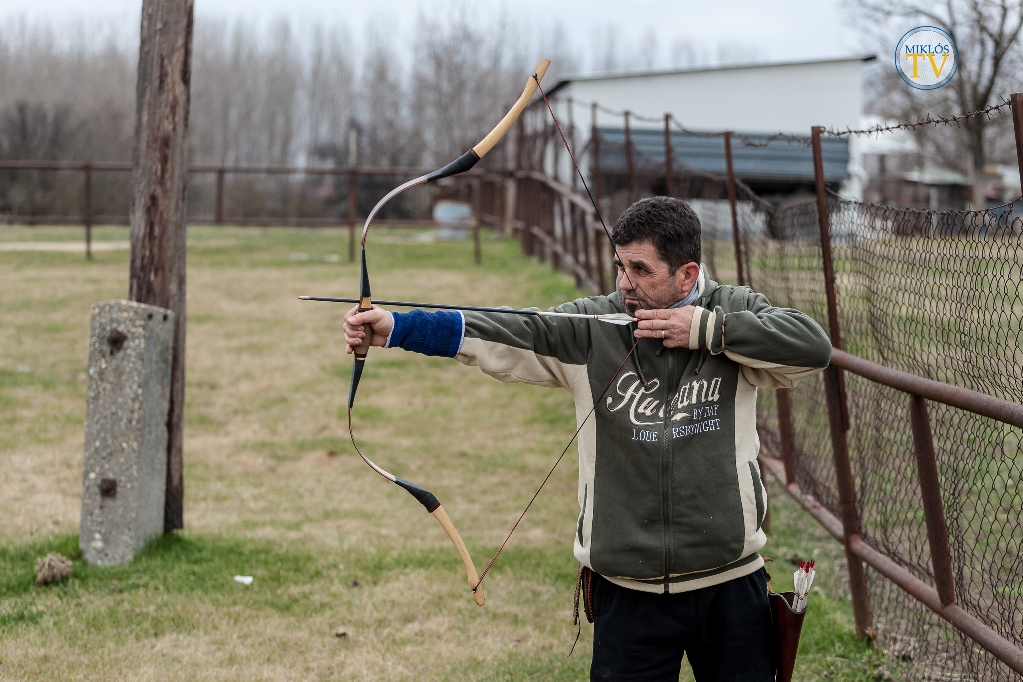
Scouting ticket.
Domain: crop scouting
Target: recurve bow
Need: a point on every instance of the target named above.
(459, 165)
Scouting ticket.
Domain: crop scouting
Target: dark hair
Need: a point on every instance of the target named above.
(672, 226)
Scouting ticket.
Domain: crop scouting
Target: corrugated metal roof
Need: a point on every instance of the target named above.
(781, 161)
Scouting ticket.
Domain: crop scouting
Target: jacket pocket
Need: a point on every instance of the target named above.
(758, 490)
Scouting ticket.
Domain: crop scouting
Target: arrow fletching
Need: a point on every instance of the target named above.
(613, 318)
(617, 318)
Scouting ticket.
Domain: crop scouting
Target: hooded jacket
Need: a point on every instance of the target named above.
(670, 495)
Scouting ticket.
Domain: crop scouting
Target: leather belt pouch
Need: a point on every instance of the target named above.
(787, 625)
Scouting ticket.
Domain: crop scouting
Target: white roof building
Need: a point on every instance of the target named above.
(789, 97)
(754, 99)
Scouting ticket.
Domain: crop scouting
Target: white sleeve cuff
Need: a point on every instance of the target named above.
(461, 340)
(694, 327)
(387, 343)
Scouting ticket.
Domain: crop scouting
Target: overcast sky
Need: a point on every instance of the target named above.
(794, 29)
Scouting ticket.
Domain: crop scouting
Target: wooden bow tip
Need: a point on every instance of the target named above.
(470, 568)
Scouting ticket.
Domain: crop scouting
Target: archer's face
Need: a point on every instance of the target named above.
(646, 281)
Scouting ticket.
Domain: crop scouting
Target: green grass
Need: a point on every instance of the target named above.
(265, 497)
(152, 596)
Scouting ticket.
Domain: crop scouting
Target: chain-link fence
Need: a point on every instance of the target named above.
(938, 295)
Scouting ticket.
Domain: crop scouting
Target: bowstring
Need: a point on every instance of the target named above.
(556, 463)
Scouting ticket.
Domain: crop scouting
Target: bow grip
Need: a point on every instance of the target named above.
(362, 350)
(365, 303)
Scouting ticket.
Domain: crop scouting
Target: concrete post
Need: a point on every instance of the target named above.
(131, 349)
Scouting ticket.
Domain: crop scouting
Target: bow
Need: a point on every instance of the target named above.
(459, 165)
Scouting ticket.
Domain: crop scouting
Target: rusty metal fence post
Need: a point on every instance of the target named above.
(598, 180)
(353, 181)
(476, 187)
(934, 509)
(599, 263)
(520, 147)
(739, 270)
(786, 433)
(87, 210)
(528, 247)
(1016, 102)
(584, 225)
(669, 159)
(598, 187)
(630, 168)
(550, 227)
(838, 411)
(218, 210)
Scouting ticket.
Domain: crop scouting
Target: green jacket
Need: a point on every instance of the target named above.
(670, 495)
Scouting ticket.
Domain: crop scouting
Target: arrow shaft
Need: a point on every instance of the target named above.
(470, 308)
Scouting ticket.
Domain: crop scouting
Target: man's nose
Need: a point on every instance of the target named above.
(624, 282)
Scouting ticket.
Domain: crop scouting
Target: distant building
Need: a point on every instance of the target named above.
(754, 100)
(898, 173)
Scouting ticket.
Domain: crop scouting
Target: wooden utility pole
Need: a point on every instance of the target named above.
(158, 200)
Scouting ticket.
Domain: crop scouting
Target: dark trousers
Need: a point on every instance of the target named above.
(725, 631)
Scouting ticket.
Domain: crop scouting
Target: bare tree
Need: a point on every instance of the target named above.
(607, 50)
(987, 34)
(390, 131)
(462, 80)
(87, 72)
(648, 54)
(330, 88)
(32, 131)
(686, 52)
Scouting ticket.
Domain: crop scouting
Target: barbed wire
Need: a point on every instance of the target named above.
(930, 120)
(745, 140)
(748, 141)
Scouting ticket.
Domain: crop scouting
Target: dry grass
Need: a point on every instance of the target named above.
(267, 380)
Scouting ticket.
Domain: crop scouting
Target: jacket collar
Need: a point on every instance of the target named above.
(705, 285)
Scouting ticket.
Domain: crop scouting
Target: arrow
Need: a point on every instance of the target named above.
(613, 318)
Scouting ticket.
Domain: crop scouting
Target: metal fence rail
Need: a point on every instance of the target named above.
(90, 194)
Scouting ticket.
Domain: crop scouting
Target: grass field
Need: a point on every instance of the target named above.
(274, 489)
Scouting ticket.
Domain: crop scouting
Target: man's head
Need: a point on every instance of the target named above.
(658, 242)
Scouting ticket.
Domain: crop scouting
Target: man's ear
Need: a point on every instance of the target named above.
(687, 276)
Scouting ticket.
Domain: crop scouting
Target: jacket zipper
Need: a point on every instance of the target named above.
(666, 476)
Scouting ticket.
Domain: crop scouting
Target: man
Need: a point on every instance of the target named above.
(671, 498)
